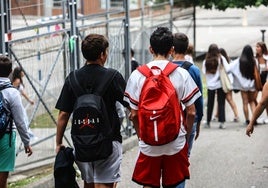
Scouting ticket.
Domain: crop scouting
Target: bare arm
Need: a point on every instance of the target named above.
(26, 97)
(134, 118)
(259, 109)
(63, 118)
(190, 115)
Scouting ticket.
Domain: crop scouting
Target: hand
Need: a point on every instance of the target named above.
(250, 129)
(196, 135)
(197, 130)
(58, 147)
(31, 102)
(28, 149)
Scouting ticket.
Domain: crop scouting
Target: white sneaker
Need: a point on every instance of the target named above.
(266, 121)
(222, 126)
(214, 118)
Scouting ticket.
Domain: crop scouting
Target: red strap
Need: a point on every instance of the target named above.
(145, 70)
(170, 67)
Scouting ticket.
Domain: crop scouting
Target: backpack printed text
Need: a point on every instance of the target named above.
(159, 108)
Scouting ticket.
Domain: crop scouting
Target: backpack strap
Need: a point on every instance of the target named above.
(10, 119)
(145, 70)
(77, 89)
(186, 65)
(5, 86)
(170, 67)
(107, 80)
(100, 89)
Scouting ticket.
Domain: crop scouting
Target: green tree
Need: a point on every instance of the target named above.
(217, 4)
(224, 4)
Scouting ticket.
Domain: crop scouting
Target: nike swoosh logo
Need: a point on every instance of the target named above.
(154, 117)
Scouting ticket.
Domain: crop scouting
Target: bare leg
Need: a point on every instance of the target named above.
(244, 95)
(252, 99)
(3, 179)
(230, 100)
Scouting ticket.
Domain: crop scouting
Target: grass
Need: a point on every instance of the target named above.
(44, 120)
(30, 179)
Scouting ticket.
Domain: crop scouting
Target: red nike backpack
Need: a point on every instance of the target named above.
(160, 111)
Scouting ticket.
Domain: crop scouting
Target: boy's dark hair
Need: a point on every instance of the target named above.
(5, 66)
(93, 45)
(181, 43)
(161, 41)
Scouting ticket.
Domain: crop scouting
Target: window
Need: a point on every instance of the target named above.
(117, 3)
(57, 3)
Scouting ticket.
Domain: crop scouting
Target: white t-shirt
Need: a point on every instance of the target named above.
(213, 80)
(187, 92)
(240, 82)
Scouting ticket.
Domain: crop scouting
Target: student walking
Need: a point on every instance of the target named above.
(211, 68)
(168, 162)
(229, 94)
(262, 62)
(242, 69)
(181, 43)
(17, 82)
(104, 172)
(12, 101)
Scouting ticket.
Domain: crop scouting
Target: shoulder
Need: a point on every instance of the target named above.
(11, 94)
(16, 82)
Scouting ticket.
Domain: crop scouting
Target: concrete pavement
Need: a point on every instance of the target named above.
(221, 158)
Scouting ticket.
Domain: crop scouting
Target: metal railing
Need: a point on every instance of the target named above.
(44, 51)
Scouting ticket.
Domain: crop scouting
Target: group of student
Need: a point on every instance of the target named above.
(168, 162)
(241, 74)
(164, 165)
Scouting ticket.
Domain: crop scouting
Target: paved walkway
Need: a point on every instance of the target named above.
(220, 158)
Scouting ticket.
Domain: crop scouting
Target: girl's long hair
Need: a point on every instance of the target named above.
(247, 62)
(263, 49)
(17, 75)
(212, 59)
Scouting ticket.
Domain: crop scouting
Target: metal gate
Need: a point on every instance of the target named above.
(48, 49)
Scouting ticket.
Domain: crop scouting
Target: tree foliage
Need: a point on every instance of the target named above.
(224, 4)
(219, 4)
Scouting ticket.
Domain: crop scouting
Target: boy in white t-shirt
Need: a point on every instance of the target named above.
(168, 162)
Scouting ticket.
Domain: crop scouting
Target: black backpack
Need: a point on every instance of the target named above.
(5, 114)
(64, 171)
(91, 130)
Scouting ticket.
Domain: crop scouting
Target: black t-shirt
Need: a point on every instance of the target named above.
(88, 76)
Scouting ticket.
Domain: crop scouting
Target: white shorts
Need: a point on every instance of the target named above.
(103, 171)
